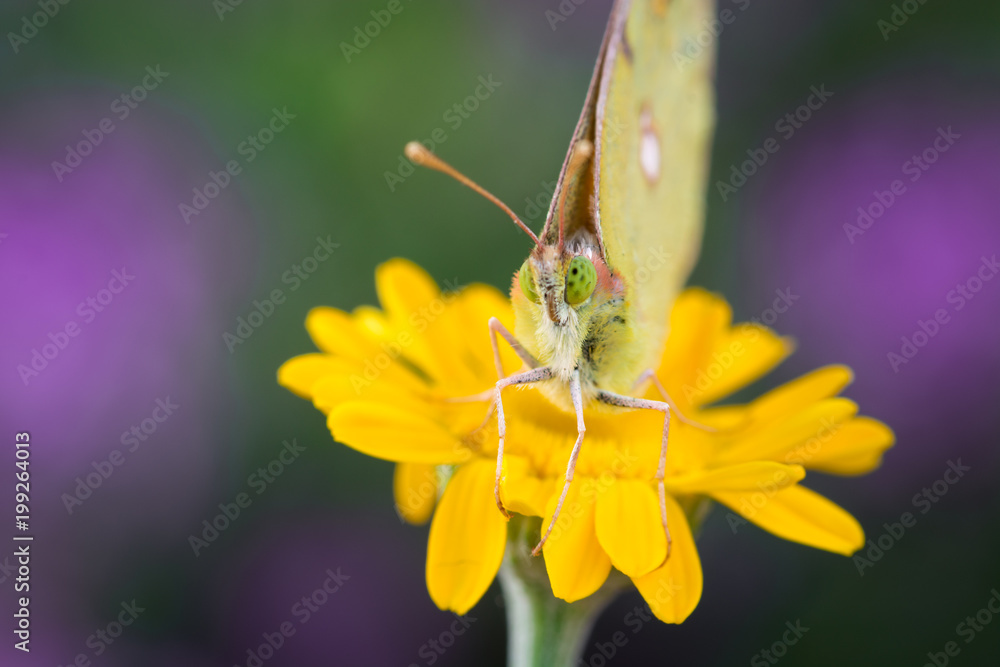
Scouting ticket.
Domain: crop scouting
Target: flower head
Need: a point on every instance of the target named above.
(411, 383)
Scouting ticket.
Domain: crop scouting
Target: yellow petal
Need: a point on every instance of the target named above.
(446, 333)
(854, 447)
(336, 332)
(750, 476)
(411, 300)
(300, 373)
(521, 491)
(372, 322)
(792, 396)
(696, 320)
(329, 392)
(403, 287)
(478, 303)
(630, 528)
(467, 539)
(707, 358)
(391, 433)
(455, 334)
(673, 590)
(722, 418)
(576, 562)
(799, 515)
(742, 354)
(414, 486)
(383, 367)
(774, 440)
(860, 464)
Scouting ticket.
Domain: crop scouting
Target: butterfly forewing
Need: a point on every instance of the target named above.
(655, 115)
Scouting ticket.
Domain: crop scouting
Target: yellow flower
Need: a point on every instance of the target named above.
(412, 383)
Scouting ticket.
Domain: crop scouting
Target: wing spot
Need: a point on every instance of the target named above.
(649, 145)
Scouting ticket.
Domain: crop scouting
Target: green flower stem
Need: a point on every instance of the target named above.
(544, 631)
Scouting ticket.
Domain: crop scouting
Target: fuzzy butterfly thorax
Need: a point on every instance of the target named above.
(567, 336)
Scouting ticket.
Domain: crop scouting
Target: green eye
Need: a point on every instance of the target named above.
(527, 280)
(581, 278)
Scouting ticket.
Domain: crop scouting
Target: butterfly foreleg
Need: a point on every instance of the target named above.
(660, 406)
(527, 377)
(576, 393)
(496, 326)
(650, 374)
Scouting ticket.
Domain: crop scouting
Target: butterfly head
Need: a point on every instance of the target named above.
(564, 285)
(564, 292)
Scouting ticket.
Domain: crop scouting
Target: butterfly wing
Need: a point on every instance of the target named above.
(576, 204)
(650, 114)
(654, 122)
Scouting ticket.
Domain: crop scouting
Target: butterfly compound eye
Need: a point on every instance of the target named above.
(527, 280)
(581, 278)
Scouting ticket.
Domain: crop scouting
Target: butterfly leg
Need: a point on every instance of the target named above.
(650, 374)
(659, 406)
(496, 326)
(527, 377)
(577, 395)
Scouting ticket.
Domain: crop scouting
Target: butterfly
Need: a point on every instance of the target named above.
(623, 230)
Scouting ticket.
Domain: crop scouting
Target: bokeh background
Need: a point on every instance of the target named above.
(223, 70)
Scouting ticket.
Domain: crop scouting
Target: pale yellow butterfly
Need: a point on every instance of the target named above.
(623, 229)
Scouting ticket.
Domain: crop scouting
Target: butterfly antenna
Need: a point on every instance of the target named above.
(419, 154)
(581, 152)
